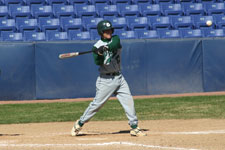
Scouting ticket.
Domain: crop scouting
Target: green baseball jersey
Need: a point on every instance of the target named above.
(109, 62)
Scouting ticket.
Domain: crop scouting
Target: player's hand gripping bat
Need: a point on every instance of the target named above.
(100, 51)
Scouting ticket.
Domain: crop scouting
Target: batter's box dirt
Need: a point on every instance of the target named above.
(201, 134)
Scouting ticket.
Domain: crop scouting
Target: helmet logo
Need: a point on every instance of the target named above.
(107, 24)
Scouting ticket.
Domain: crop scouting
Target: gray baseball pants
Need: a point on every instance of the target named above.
(106, 86)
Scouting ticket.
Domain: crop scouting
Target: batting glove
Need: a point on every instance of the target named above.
(102, 49)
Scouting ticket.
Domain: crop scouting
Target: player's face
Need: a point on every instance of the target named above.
(107, 34)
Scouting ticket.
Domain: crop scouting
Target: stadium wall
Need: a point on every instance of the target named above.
(33, 70)
(17, 66)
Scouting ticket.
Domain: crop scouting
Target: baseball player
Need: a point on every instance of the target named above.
(110, 81)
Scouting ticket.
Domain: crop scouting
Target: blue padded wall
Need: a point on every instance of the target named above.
(174, 66)
(17, 78)
(134, 63)
(214, 64)
(69, 78)
(34, 71)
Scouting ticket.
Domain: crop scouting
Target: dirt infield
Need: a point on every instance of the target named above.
(203, 134)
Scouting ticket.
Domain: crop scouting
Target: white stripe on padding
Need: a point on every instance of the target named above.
(95, 144)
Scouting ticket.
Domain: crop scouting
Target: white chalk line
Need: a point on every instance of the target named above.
(96, 144)
(192, 133)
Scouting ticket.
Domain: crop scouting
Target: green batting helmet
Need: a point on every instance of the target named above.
(104, 25)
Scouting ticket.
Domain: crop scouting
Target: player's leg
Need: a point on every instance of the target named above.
(105, 87)
(125, 98)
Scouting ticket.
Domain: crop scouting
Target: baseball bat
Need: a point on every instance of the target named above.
(73, 54)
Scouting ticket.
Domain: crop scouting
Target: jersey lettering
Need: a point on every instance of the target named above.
(108, 57)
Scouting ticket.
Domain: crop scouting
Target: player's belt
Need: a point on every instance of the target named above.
(112, 74)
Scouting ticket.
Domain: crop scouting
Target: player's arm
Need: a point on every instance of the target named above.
(98, 58)
(115, 44)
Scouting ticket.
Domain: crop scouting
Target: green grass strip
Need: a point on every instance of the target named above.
(147, 109)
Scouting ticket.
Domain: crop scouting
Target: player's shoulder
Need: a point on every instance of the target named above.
(99, 43)
(115, 38)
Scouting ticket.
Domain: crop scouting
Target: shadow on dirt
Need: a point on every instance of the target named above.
(10, 134)
(127, 131)
(107, 133)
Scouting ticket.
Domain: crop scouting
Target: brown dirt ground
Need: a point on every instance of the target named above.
(201, 134)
